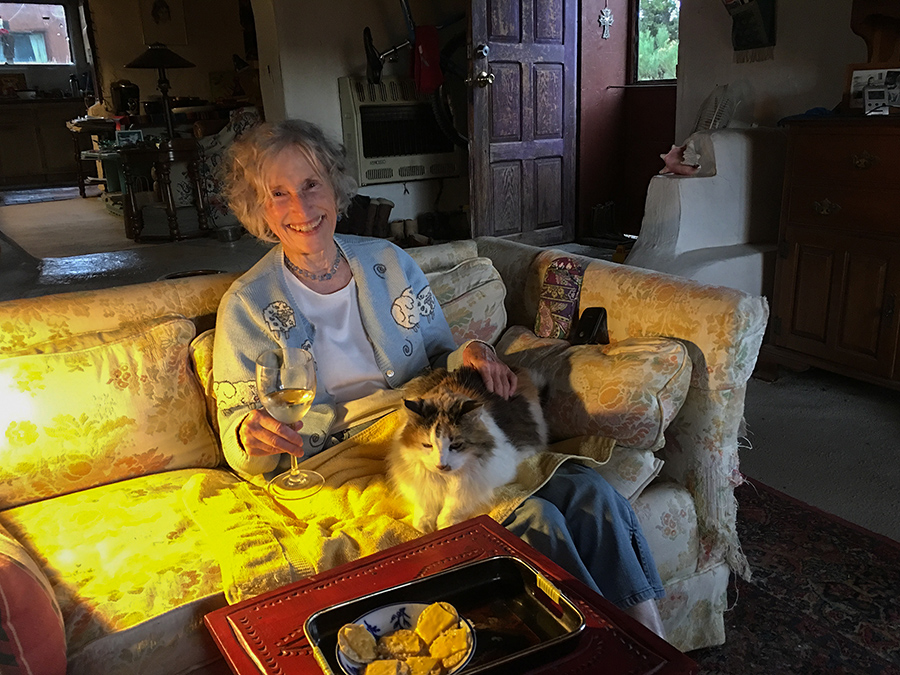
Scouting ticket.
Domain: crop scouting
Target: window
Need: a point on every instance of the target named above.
(657, 40)
(33, 34)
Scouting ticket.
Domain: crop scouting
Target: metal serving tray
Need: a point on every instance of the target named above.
(517, 613)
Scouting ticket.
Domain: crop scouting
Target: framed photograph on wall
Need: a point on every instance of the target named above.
(163, 21)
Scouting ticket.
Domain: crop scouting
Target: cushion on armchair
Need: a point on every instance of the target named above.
(96, 408)
(629, 391)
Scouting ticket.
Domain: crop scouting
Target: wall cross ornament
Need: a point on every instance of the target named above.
(605, 20)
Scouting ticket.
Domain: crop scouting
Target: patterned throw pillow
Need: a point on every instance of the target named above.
(93, 409)
(32, 638)
(558, 302)
(629, 391)
(471, 295)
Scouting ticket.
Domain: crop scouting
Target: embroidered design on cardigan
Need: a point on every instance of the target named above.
(233, 395)
(408, 311)
(279, 317)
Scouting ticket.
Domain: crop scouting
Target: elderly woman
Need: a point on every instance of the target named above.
(333, 295)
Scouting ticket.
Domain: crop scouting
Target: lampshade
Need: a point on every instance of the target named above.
(157, 56)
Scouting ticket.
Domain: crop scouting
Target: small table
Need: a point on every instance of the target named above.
(162, 158)
(271, 624)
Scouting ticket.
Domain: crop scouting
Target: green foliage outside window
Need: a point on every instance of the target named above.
(657, 53)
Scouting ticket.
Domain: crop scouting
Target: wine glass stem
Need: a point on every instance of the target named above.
(295, 467)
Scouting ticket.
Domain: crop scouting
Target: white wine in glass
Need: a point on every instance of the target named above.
(286, 382)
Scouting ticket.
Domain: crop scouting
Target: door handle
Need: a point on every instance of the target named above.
(482, 79)
(826, 207)
(887, 311)
(864, 160)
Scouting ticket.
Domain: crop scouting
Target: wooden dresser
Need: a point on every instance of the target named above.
(837, 281)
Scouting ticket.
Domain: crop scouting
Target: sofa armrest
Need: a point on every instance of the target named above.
(723, 328)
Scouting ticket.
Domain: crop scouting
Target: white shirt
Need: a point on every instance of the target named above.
(345, 360)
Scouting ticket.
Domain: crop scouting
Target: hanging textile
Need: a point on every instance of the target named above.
(752, 29)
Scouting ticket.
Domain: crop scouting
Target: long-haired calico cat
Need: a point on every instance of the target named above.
(460, 441)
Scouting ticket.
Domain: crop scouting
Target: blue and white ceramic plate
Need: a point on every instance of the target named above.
(390, 618)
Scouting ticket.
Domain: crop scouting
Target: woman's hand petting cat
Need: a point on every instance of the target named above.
(262, 434)
(497, 376)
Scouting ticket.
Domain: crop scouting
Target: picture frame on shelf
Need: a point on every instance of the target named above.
(875, 75)
(129, 136)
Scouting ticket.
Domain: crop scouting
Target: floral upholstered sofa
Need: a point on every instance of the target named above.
(105, 421)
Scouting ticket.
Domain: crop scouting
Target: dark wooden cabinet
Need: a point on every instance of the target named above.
(35, 144)
(838, 270)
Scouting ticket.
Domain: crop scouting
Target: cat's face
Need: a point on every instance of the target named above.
(445, 434)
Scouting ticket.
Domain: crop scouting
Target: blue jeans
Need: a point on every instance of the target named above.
(581, 523)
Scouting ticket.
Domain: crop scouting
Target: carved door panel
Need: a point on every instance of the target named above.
(523, 119)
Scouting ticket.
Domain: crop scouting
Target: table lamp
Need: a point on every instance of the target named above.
(160, 57)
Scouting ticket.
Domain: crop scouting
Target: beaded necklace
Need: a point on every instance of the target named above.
(309, 275)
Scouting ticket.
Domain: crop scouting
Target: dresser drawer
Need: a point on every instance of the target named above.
(845, 207)
(864, 159)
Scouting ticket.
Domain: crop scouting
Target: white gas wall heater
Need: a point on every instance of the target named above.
(391, 135)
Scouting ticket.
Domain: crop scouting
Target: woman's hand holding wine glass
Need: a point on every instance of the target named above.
(286, 382)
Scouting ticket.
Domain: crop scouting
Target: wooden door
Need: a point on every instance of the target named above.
(522, 121)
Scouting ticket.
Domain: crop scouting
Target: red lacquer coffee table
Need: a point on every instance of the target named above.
(265, 633)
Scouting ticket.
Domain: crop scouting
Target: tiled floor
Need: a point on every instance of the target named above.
(22, 275)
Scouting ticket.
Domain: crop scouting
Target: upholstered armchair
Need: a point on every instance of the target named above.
(670, 389)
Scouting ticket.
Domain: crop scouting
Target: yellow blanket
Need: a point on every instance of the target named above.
(262, 544)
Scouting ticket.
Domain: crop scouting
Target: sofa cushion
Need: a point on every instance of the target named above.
(668, 519)
(97, 408)
(31, 624)
(443, 256)
(202, 361)
(132, 572)
(628, 470)
(629, 391)
(631, 470)
(471, 295)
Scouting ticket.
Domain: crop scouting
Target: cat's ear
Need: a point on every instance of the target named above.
(469, 406)
(414, 405)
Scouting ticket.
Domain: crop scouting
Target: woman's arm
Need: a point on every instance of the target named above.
(252, 441)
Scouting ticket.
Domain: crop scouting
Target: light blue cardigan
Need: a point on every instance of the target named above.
(403, 322)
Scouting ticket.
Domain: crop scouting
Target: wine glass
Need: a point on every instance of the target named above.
(286, 382)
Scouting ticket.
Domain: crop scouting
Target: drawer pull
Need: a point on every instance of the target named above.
(864, 160)
(826, 207)
(888, 311)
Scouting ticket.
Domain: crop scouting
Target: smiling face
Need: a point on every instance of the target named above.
(300, 207)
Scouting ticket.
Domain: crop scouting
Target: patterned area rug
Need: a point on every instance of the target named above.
(825, 594)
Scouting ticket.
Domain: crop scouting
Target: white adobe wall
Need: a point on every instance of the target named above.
(814, 45)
